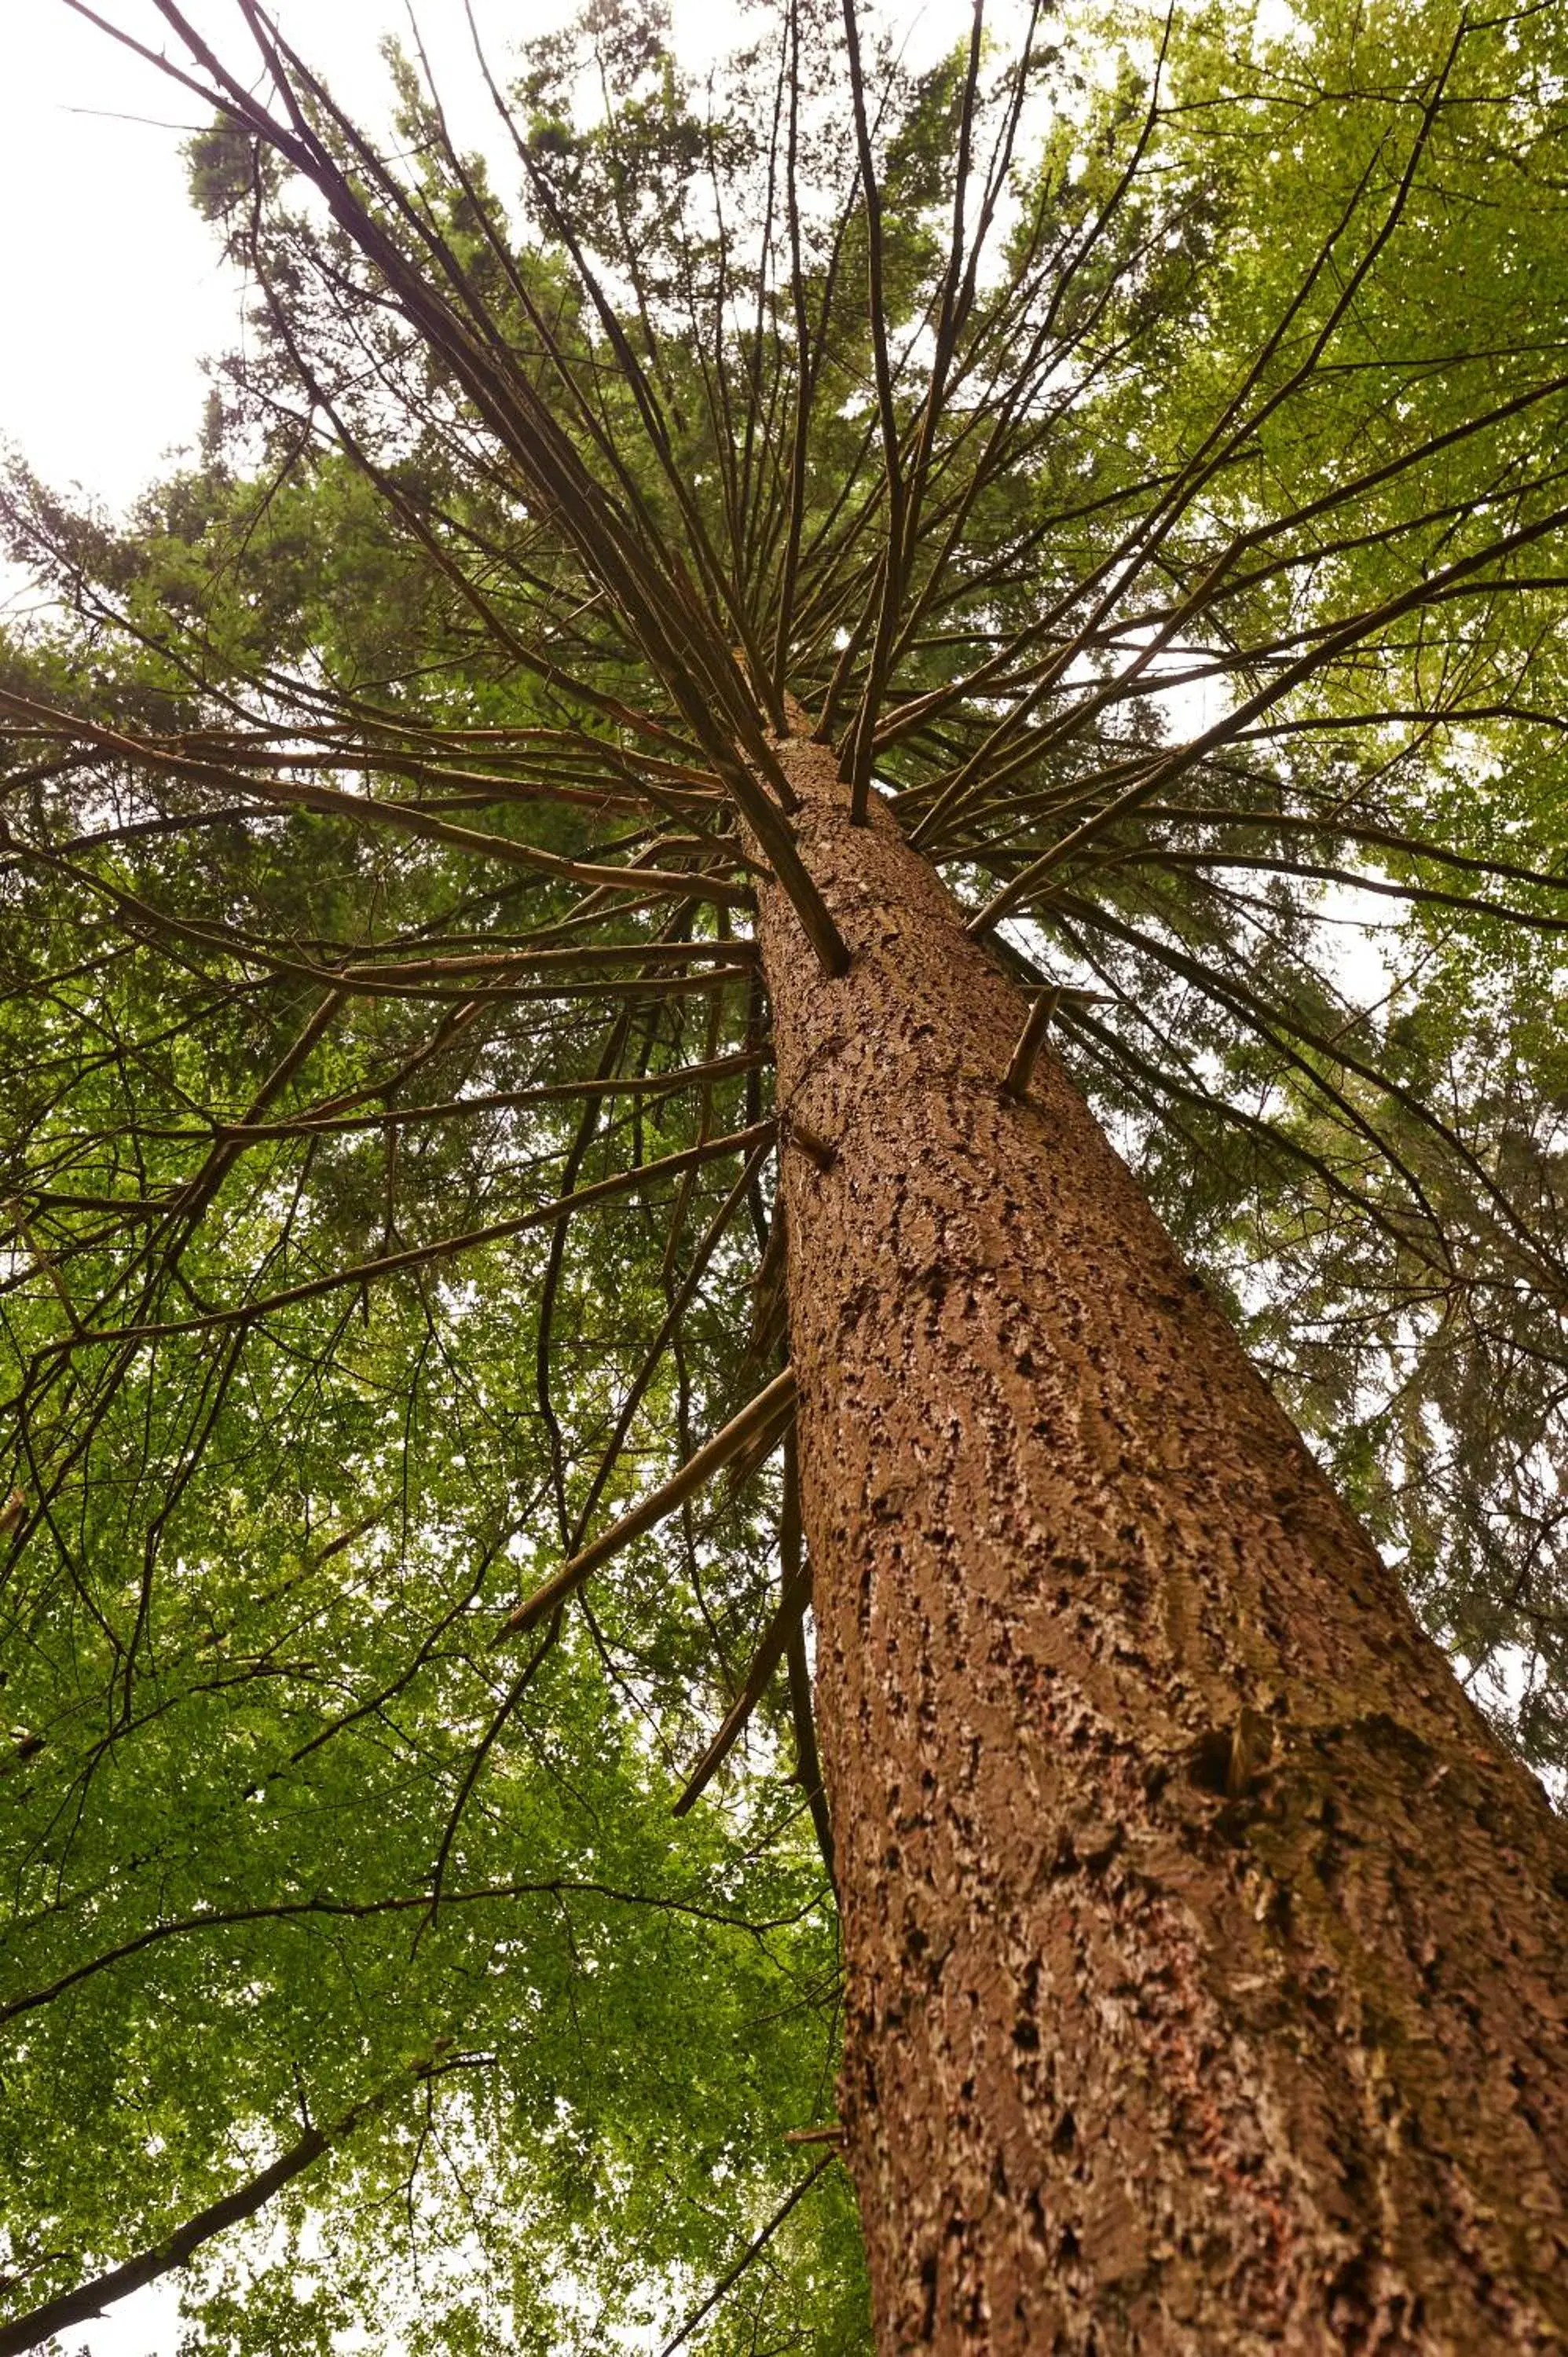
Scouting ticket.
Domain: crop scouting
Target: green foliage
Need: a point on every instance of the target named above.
(1181, 550)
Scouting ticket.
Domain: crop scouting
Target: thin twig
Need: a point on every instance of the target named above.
(88, 2299)
(770, 1653)
(727, 2282)
(727, 1443)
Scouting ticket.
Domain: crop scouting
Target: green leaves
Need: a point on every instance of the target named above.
(1176, 542)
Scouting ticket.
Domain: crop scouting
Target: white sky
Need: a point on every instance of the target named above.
(111, 290)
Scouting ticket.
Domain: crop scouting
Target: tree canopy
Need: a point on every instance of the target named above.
(1137, 442)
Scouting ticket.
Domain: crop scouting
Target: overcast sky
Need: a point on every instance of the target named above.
(111, 291)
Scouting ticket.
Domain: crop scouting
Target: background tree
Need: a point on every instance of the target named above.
(1139, 453)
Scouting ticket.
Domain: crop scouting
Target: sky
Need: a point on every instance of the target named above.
(108, 287)
(112, 292)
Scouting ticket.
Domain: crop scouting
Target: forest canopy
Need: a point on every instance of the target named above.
(1136, 442)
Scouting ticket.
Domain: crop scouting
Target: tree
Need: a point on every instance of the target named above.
(673, 732)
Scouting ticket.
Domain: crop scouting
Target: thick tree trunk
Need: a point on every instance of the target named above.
(1207, 1975)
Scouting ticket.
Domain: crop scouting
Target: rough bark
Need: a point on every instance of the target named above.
(1207, 1956)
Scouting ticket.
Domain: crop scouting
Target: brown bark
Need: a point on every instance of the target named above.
(1206, 1953)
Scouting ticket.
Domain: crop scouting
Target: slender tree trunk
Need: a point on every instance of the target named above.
(1207, 1975)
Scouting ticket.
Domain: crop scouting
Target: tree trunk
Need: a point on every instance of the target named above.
(1206, 1952)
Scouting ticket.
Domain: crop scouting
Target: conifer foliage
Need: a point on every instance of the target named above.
(1136, 443)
